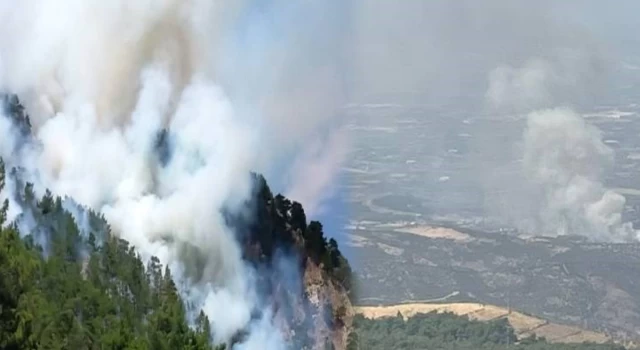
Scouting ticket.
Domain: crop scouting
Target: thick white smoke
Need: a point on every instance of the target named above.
(558, 187)
(565, 159)
(102, 79)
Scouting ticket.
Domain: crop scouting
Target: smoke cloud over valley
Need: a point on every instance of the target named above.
(557, 187)
(502, 87)
(228, 87)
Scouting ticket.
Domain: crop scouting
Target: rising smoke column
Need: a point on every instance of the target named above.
(558, 188)
(565, 159)
(102, 80)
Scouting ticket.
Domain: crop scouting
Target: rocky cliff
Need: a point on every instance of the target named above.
(309, 281)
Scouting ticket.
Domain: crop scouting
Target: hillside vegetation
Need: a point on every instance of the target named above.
(65, 288)
(447, 331)
(60, 291)
(523, 325)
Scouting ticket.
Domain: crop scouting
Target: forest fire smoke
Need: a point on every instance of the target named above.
(563, 160)
(101, 81)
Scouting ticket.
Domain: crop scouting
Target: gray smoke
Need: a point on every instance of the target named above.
(239, 86)
(560, 77)
(564, 160)
(479, 68)
(557, 189)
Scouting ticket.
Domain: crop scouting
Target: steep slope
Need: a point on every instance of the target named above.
(301, 279)
(69, 272)
(315, 297)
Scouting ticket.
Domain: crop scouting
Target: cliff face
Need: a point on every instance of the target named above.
(306, 279)
(328, 296)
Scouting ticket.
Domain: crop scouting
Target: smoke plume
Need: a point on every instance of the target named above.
(558, 188)
(565, 159)
(229, 86)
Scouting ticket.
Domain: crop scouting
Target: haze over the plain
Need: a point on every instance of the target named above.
(538, 66)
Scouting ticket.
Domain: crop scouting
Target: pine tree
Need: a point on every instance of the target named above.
(4, 208)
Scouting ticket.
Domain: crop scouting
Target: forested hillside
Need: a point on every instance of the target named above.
(446, 331)
(66, 282)
(62, 290)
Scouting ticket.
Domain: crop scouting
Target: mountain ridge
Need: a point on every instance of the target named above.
(62, 249)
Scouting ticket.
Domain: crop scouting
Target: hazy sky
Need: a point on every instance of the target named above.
(446, 48)
(500, 58)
